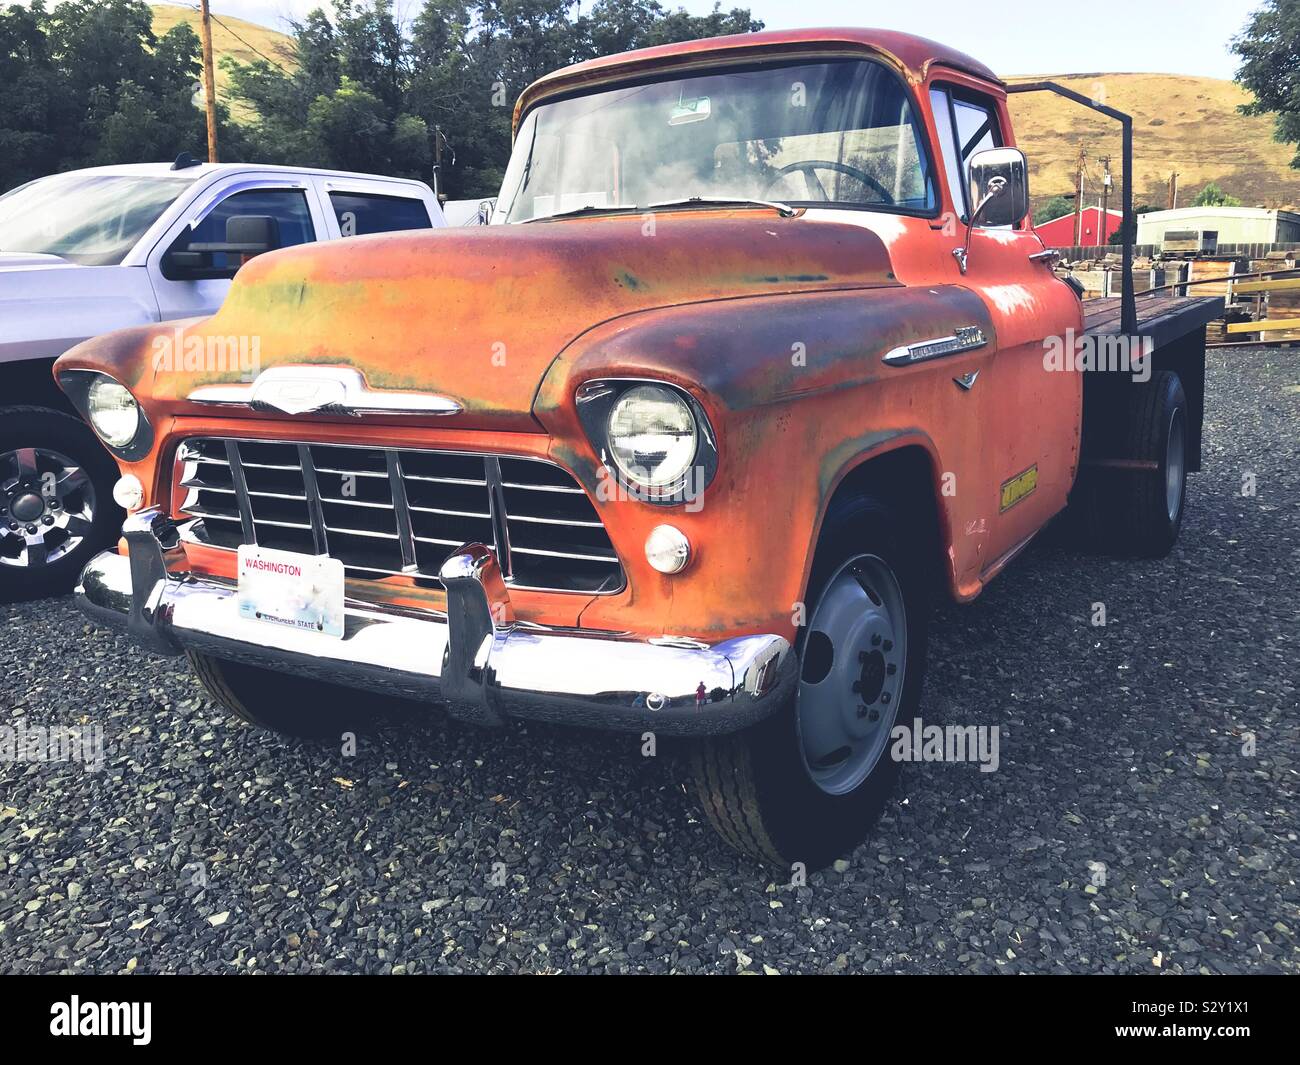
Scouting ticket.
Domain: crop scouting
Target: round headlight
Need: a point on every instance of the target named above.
(652, 436)
(113, 412)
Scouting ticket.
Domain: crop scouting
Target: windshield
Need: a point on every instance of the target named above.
(824, 133)
(87, 218)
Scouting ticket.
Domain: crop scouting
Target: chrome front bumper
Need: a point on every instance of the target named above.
(477, 659)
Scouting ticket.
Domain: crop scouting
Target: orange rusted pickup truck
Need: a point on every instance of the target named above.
(759, 354)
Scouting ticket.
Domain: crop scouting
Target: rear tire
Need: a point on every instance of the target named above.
(758, 788)
(1138, 512)
(278, 702)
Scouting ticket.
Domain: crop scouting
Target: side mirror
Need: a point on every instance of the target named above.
(252, 234)
(485, 209)
(246, 235)
(999, 189)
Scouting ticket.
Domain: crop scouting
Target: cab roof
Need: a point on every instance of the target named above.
(912, 56)
(198, 170)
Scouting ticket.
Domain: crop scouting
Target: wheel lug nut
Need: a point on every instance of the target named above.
(875, 641)
(873, 715)
(31, 528)
(889, 645)
(884, 697)
(891, 669)
(862, 711)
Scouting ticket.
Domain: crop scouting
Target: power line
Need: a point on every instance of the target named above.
(241, 40)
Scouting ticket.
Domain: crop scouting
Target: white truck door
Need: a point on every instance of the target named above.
(292, 202)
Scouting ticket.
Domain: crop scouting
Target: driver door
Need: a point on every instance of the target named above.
(292, 204)
(1031, 430)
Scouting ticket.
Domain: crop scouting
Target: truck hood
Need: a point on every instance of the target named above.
(48, 304)
(14, 260)
(477, 315)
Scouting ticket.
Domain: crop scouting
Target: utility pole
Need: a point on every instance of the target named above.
(1104, 224)
(437, 163)
(209, 80)
(1078, 197)
(1173, 190)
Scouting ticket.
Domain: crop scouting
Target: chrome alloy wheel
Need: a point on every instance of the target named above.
(851, 680)
(47, 506)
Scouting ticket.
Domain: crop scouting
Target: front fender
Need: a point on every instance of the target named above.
(797, 394)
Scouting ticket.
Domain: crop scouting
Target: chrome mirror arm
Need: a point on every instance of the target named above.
(997, 186)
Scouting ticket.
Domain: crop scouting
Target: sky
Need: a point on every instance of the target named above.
(1011, 36)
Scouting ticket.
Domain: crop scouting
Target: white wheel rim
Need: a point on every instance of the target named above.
(851, 676)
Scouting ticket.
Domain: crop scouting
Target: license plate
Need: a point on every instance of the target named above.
(291, 590)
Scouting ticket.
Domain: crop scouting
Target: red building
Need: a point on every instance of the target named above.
(1059, 232)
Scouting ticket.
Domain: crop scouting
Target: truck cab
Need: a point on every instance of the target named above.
(758, 356)
(90, 251)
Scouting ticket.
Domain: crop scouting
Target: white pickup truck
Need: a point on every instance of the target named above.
(89, 251)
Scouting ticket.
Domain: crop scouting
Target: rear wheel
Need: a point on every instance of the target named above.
(1137, 509)
(56, 501)
(806, 784)
(290, 705)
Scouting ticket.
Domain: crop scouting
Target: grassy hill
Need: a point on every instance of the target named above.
(230, 36)
(1180, 123)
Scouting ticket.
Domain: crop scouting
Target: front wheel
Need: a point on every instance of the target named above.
(56, 501)
(806, 784)
(279, 702)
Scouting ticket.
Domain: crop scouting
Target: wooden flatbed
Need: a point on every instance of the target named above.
(1164, 317)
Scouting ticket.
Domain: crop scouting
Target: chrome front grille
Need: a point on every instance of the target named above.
(397, 511)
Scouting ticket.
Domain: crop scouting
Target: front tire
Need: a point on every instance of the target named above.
(806, 784)
(56, 501)
(289, 705)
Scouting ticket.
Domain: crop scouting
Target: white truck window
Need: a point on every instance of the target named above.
(88, 219)
(359, 213)
(287, 206)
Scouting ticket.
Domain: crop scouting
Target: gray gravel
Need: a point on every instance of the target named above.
(203, 845)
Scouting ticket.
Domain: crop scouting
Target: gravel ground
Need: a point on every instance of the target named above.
(1124, 831)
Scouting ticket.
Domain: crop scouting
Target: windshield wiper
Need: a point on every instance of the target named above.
(590, 208)
(783, 209)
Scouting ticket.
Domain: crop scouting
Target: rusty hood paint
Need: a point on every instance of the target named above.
(479, 314)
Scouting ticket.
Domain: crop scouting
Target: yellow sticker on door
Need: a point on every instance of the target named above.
(1014, 490)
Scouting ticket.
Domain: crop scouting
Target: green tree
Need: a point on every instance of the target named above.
(1053, 208)
(1270, 52)
(1118, 236)
(362, 89)
(1213, 196)
(88, 83)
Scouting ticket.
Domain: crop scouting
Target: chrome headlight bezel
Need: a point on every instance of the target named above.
(596, 403)
(80, 386)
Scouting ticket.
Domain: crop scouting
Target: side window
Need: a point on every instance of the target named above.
(967, 123)
(287, 206)
(942, 108)
(361, 213)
